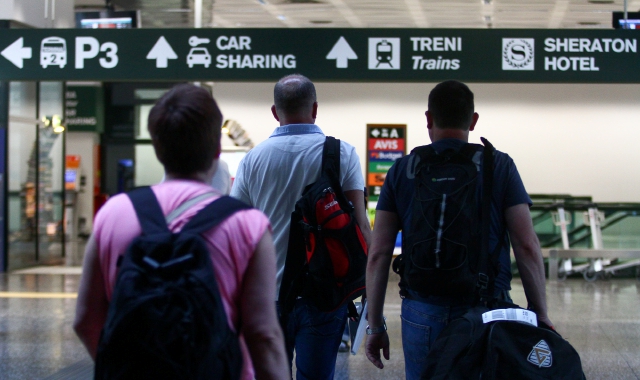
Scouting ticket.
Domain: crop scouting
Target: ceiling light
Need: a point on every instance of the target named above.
(486, 2)
(320, 21)
(487, 18)
(601, 1)
(282, 17)
(588, 23)
(262, 2)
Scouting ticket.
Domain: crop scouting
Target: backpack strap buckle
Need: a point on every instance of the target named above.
(483, 286)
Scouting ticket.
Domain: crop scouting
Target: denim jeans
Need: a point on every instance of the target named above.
(422, 322)
(316, 337)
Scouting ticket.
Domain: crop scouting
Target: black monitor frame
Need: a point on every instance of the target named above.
(632, 18)
(109, 19)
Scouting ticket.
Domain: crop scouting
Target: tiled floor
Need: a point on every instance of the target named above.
(601, 320)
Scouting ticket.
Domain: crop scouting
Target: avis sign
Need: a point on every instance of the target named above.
(385, 144)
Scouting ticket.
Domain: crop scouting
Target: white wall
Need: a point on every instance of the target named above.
(578, 139)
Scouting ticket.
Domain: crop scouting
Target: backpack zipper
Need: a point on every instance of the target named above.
(443, 206)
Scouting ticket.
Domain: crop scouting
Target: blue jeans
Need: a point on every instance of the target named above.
(316, 337)
(422, 322)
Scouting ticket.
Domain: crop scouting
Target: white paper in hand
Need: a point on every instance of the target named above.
(358, 335)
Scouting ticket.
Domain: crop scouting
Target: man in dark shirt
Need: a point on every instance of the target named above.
(450, 118)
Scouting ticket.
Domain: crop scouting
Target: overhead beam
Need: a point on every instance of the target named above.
(558, 13)
(348, 13)
(417, 13)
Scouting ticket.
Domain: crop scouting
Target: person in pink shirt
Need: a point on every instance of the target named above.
(185, 131)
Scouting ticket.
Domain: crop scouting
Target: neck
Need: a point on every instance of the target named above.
(204, 176)
(436, 134)
(296, 120)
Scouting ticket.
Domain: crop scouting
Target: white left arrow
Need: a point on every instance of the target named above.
(162, 52)
(16, 53)
(342, 53)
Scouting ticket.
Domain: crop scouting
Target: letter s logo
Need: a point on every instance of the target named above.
(518, 52)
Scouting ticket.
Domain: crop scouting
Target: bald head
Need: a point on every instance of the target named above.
(294, 97)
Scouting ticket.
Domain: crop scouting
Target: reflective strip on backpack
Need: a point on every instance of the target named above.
(443, 206)
(187, 205)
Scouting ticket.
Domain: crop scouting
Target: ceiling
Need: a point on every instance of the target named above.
(530, 14)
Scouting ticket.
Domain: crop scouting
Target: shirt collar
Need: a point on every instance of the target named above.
(296, 129)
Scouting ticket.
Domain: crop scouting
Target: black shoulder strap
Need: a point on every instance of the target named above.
(152, 219)
(484, 287)
(148, 209)
(331, 156)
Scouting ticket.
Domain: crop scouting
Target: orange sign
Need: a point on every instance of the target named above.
(72, 162)
(376, 179)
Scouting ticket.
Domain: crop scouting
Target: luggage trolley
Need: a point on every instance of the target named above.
(594, 218)
(566, 267)
(604, 267)
(559, 208)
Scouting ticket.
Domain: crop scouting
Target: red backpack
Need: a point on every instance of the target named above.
(327, 254)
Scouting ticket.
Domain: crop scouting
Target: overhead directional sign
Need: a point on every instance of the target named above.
(381, 55)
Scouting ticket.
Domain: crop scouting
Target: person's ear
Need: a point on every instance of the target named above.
(474, 120)
(429, 119)
(274, 112)
(218, 151)
(314, 110)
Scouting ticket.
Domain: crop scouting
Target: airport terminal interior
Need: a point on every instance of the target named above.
(71, 143)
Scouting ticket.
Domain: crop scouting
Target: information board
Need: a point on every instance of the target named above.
(374, 55)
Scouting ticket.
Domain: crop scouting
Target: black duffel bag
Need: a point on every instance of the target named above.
(470, 349)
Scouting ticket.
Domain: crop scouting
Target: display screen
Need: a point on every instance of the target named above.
(107, 20)
(631, 22)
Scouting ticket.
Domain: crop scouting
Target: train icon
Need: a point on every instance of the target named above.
(384, 53)
(53, 51)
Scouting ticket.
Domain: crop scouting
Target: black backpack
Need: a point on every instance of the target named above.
(166, 319)
(469, 349)
(327, 254)
(449, 227)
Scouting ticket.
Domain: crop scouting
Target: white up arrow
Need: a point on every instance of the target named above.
(16, 53)
(342, 52)
(162, 53)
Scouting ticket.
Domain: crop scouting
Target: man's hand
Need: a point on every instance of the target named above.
(374, 344)
(547, 321)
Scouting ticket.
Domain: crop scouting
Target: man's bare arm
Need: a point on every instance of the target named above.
(380, 256)
(526, 249)
(356, 197)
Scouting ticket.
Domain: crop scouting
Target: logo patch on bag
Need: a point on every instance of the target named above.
(540, 355)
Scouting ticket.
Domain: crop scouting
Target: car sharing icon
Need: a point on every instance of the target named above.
(198, 55)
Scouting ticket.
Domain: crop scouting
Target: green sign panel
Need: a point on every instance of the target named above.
(380, 55)
(84, 108)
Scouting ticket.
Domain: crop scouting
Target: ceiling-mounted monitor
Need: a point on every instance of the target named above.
(631, 22)
(107, 20)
